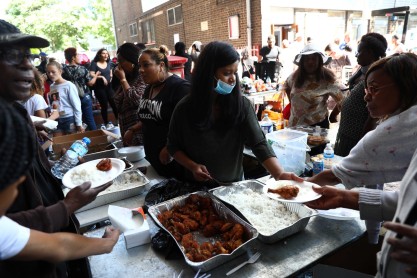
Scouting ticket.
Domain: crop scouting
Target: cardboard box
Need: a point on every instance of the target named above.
(135, 227)
(99, 141)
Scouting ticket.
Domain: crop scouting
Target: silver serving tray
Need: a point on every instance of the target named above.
(128, 190)
(303, 211)
(224, 213)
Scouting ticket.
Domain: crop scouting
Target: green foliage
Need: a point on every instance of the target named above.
(64, 22)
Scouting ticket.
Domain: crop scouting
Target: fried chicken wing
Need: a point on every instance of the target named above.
(286, 191)
(104, 165)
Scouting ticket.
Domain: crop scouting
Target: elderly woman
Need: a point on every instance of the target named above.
(210, 127)
(129, 92)
(309, 87)
(354, 118)
(162, 94)
(383, 155)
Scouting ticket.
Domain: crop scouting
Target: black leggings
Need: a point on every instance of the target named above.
(104, 96)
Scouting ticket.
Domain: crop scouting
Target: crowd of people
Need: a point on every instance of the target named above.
(195, 128)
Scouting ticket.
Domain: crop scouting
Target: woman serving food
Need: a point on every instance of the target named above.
(209, 127)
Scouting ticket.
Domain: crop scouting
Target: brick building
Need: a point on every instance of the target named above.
(188, 21)
(240, 22)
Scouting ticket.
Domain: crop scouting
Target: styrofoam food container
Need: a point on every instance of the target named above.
(132, 154)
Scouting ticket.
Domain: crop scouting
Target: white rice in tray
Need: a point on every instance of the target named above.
(125, 181)
(266, 215)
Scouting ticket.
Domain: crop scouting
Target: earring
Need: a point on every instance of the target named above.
(133, 65)
(163, 77)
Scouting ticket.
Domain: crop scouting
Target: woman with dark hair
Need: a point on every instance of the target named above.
(180, 51)
(129, 92)
(309, 87)
(354, 119)
(210, 127)
(101, 67)
(162, 94)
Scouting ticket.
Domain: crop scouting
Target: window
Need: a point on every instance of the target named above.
(234, 27)
(148, 31)
(174, 15)
(133, 29)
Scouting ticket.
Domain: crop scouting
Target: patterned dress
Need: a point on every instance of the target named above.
(309, 103)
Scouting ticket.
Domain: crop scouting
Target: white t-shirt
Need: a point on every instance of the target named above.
(35, 103)
(13, 238)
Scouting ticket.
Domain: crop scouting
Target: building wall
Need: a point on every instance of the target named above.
(125, 12)
(215, 14)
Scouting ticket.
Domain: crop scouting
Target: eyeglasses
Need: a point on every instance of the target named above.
(15, 56)
(372, 90)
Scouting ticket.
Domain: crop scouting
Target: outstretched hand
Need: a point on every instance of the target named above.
(82, 195)
(404, 249)
(331, 198)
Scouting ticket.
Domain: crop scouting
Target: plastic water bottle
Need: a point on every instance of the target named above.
(328, 155)
(266, 124)
(78, 149)
(268, 81)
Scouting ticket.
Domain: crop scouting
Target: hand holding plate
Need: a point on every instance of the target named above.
(331, 198)
(82, 195)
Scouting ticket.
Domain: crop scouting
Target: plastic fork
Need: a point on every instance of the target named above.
(251, 260)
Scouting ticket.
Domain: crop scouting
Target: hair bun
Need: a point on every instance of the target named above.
(163, 49)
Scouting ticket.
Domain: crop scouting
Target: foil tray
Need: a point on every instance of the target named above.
(225, 213)
(127, 190)
(302, 211)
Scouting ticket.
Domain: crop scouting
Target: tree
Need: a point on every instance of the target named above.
(64, 22)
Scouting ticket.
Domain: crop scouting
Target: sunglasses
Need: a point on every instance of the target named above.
(16, 56)
(372, 90)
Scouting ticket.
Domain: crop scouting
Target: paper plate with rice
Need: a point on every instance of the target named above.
(89, 172)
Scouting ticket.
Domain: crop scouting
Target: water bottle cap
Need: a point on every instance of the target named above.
(86, 140)
(328, 144)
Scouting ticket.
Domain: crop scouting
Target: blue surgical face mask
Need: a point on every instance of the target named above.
(223, 88)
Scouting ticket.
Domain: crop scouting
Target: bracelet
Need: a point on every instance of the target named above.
(123, 80)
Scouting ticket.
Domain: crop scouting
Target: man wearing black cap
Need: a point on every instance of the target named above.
(40, 204)
(17, 150)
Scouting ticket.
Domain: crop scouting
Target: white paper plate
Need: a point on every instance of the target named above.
(305, 194)
(48, 124)
(339, 214)
(100, 178)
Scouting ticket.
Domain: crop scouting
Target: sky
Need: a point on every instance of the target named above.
(3, 6)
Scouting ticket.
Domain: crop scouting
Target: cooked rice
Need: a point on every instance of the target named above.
(92, 174)
(266, 215)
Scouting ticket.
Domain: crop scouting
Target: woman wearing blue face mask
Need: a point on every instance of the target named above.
(210, 127)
